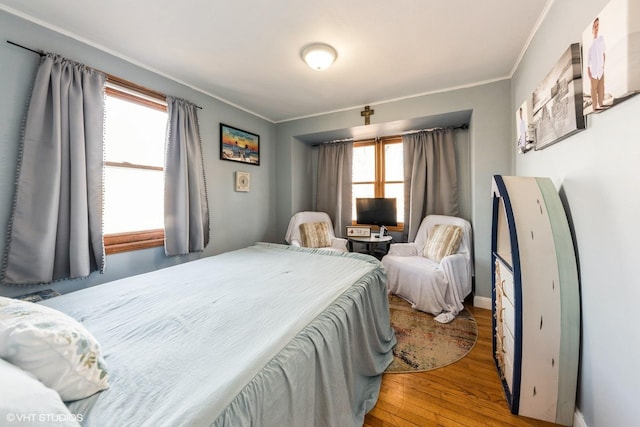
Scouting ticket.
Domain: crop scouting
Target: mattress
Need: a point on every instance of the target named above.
(268, 335)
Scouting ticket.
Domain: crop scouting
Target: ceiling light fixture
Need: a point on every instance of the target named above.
(319, 55)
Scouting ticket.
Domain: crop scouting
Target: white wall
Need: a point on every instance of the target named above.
(598, 177)
(237, 219)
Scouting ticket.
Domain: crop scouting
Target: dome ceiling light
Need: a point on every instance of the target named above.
(319, 56)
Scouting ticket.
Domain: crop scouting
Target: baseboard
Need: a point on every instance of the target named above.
(482, 302)
(578, 419)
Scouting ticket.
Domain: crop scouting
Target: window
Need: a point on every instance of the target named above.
(135, 128)
(378, 172)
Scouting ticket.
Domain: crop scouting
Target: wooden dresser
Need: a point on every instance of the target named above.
(536, 301)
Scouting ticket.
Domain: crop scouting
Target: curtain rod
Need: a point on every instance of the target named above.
(463, 126)
(111, 77)
(39, 52)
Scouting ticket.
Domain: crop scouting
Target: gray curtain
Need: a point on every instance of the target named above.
(55, 230)
(334, 184)
(430, 177)
(186, 209)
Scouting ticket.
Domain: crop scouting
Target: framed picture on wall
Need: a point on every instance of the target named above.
(557, 101)
(238, 145)
(243, 182)
(610, 52)
(525, 130)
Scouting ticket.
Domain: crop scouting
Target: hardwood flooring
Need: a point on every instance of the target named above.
(466, 393)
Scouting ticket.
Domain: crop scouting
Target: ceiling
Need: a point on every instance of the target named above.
(247, 53)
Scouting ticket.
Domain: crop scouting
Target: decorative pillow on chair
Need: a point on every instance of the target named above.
(315, 235)
(54, 347)
(25, 401)
(443, 240)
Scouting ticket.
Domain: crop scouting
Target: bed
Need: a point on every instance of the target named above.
(268, 335)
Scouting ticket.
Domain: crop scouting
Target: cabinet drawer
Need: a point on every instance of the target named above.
(504, 346)
(506, 280)
(508, 346)
(508, 373)
(508, 316)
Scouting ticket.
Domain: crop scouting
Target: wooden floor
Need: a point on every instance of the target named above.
(466, 393)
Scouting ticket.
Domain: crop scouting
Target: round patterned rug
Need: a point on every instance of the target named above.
(423, 343)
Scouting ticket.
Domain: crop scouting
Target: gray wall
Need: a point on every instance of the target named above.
(488, 153)
(237, 219)
(596, 172)
(463, 165)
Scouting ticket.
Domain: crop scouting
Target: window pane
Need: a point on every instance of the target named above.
(396, 191)
(360, 190)
(134, 200)
(364, 163)
(134, 133)
(393, 162)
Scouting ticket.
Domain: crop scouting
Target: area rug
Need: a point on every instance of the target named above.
(423, 343)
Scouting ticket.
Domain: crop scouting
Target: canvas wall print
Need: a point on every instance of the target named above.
(239, 145)
(611, 56)
(557, 101)
(525, 130)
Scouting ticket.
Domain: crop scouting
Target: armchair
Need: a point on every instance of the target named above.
(294, 236)
(434, 286)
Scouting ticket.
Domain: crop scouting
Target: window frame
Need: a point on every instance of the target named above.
(380, 179)
(140, 239)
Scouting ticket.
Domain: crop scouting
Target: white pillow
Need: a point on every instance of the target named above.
(25, 401)
(54, 347)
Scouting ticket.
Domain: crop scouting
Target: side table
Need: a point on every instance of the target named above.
(371, 244)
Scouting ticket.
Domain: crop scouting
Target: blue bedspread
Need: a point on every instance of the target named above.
(268, 335)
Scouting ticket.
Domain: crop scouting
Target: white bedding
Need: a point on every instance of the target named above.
(181, 343)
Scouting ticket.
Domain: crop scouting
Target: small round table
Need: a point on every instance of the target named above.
(371, 244)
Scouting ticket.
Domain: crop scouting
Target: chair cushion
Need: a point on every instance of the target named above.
(315, 234)
(443, 240)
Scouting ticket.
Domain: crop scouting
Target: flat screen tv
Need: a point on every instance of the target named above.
(376, 211)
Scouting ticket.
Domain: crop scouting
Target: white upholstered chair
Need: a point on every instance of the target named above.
(432, 286)
(295, 237)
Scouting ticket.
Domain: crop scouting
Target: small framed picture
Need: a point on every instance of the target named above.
(243, 181)
(358, 231)
(525, 129)
(239, 145)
